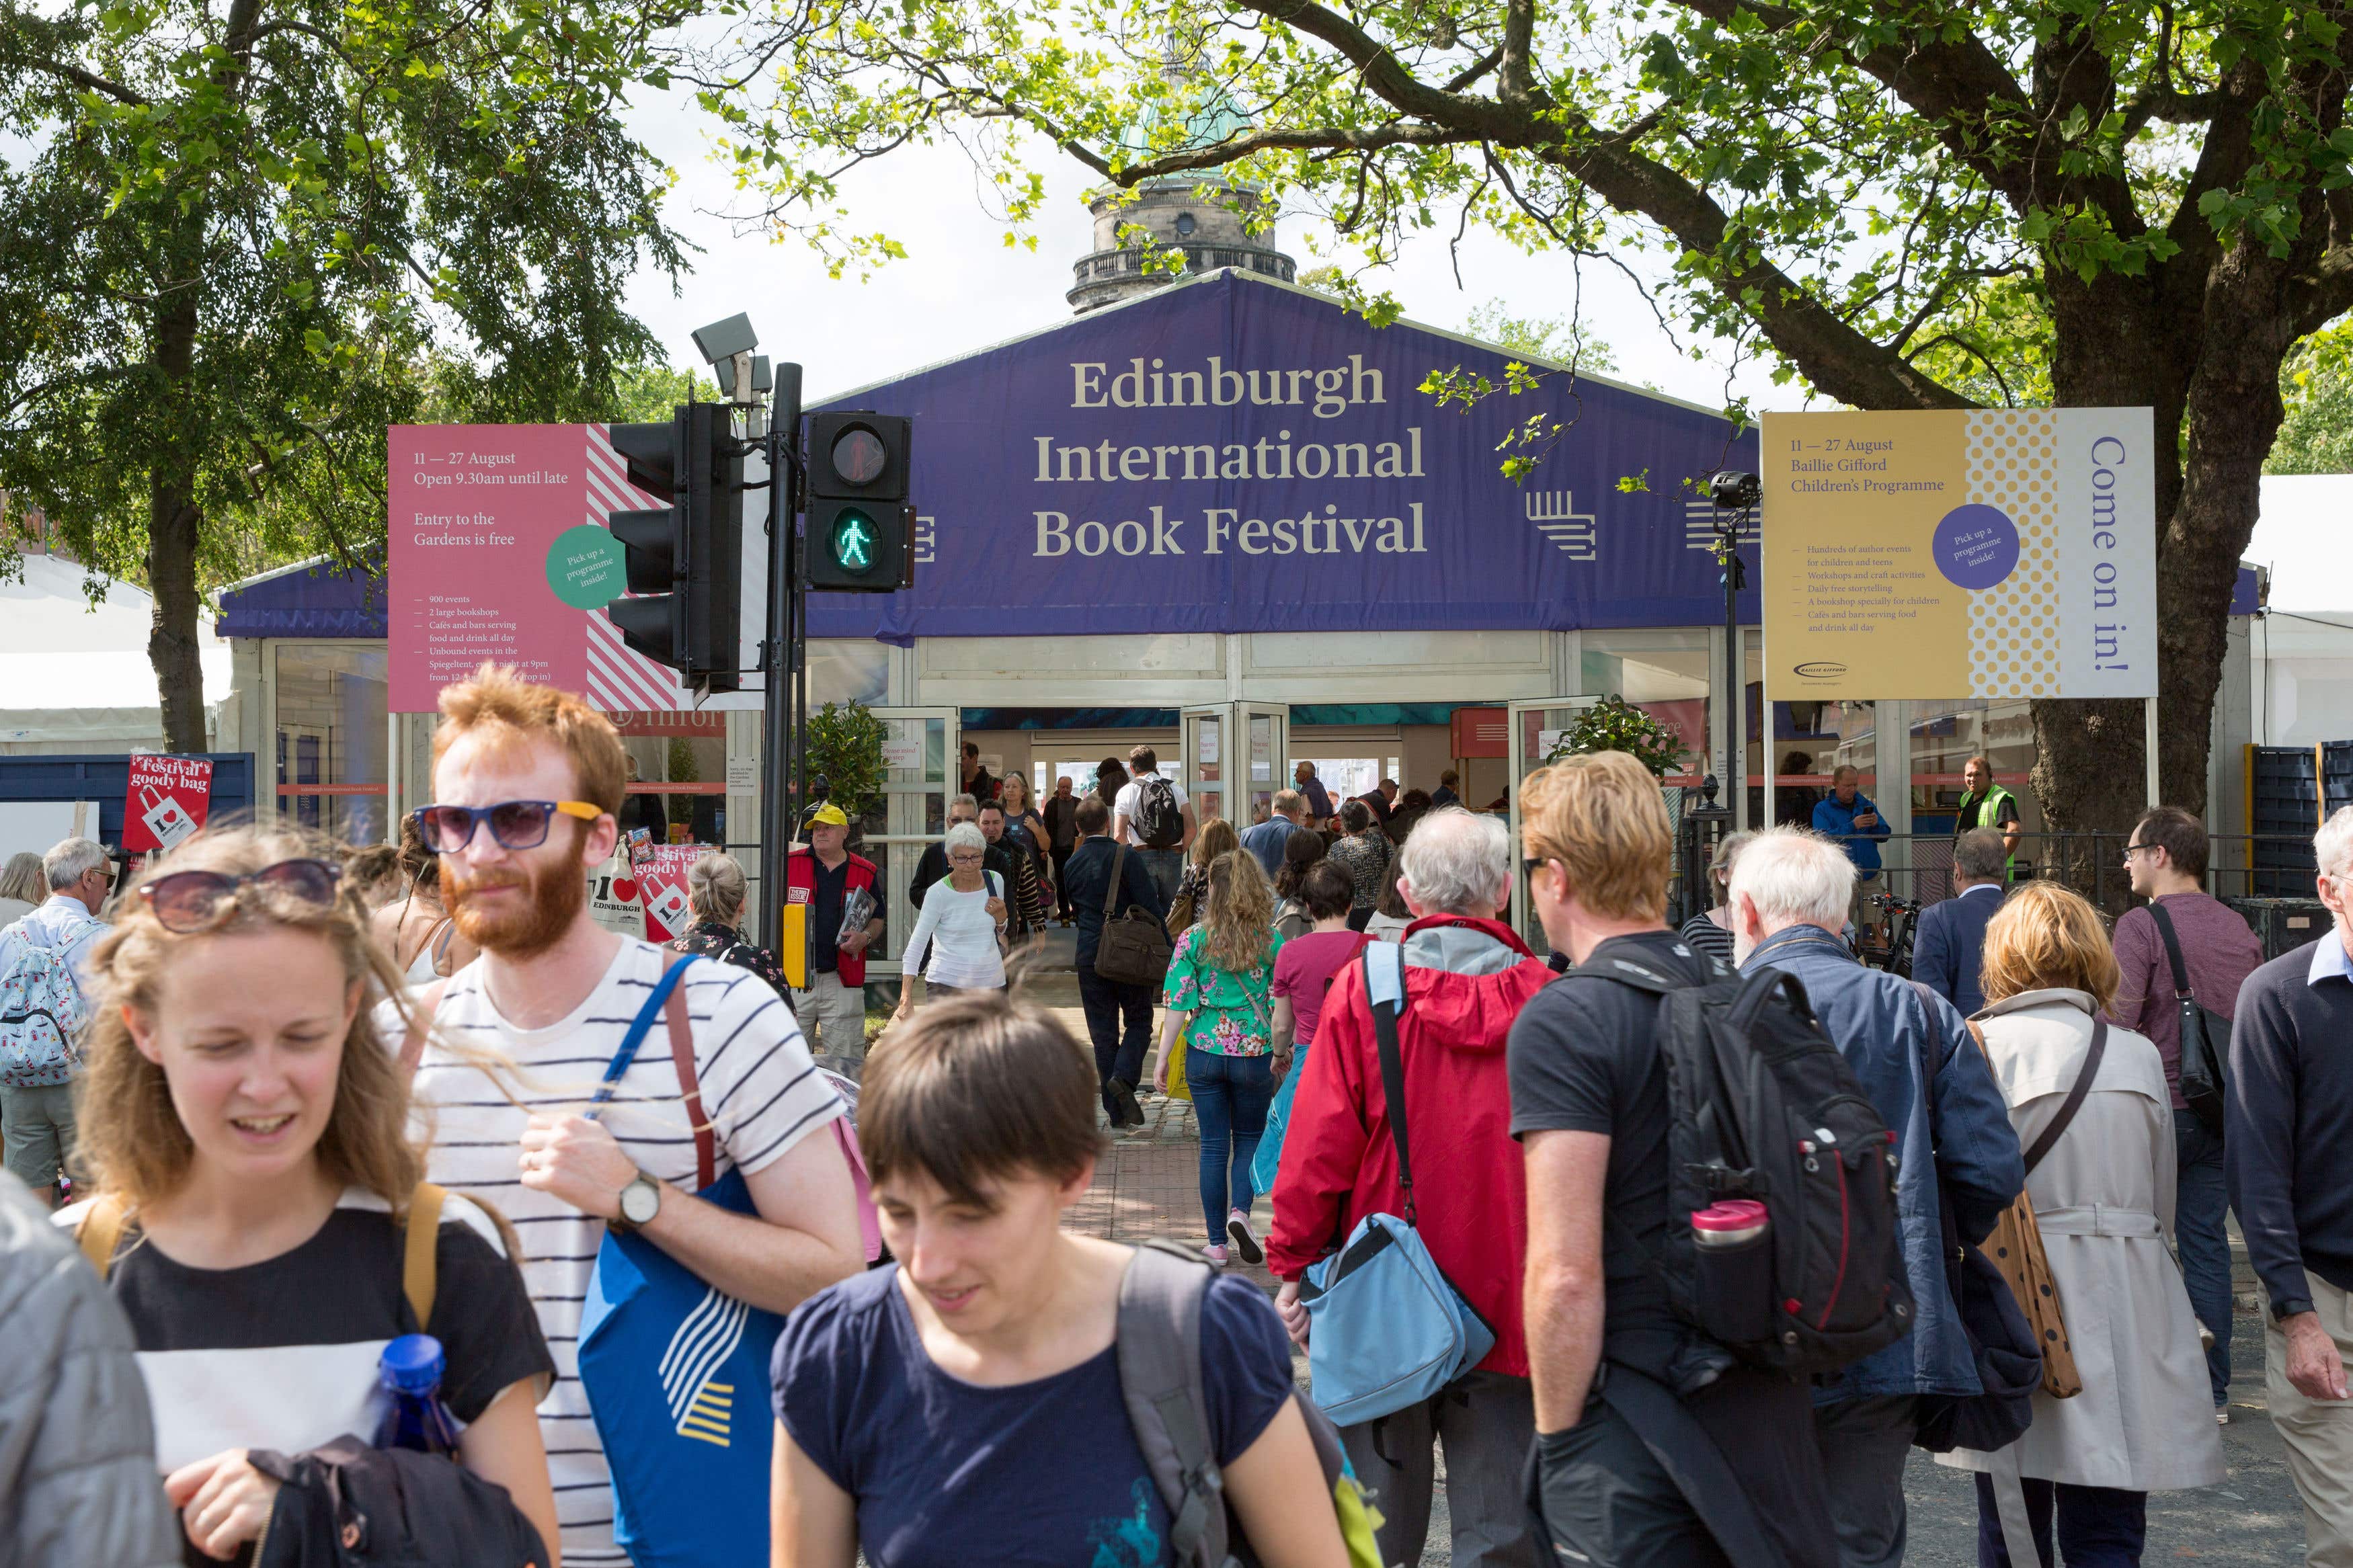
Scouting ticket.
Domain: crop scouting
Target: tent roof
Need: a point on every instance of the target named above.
(311, 598)
(77, 672)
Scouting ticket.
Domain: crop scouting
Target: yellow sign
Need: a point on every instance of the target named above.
(1995, 553)
(792, 945)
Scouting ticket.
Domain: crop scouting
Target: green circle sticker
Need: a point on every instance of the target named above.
(584, 567)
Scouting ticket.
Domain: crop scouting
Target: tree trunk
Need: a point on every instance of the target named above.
(172, 524)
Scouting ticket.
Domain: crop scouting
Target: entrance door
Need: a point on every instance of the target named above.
(920, 753)
(1205, 737)
(1262, 738)
(1535, 725)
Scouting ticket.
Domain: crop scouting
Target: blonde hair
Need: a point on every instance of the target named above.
(129, 1131)
(1602, 816)
(716, 889)
(509, 710)
(1238, 924)
(2047, 937)
(1216, 838)
(25, 879)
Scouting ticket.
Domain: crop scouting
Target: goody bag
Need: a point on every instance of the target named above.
(677, 1370)
(1388, 1329)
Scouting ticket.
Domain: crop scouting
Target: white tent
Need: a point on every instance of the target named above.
(75, 676)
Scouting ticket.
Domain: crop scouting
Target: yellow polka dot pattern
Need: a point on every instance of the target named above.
(2013, 464)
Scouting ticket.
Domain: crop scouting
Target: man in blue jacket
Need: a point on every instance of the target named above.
(1950, 943)
(1791, 891)
(1849, 816)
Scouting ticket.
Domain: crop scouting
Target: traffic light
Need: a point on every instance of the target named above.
(685, 561)
(861, 531)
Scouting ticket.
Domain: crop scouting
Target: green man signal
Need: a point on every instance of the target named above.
(860, 530)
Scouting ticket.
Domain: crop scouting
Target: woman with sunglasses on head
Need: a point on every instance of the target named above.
(961, 929)
(248, 1128)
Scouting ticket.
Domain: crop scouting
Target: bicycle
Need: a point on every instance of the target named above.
(1894, 953)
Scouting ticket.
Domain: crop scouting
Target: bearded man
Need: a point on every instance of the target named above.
(526, 782)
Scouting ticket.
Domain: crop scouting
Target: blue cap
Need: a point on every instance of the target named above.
(413, 1363)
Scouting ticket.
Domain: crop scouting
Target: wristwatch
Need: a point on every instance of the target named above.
(641, 1200)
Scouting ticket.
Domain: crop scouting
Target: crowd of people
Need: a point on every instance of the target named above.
(314, 1108)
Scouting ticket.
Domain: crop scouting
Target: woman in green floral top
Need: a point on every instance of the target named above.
(1219, 1006)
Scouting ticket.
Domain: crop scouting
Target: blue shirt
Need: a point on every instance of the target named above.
(66, 926)
(1837, 821)
(949, 1473)
(1267, 840)
(1319, 799)
(1888, 1030)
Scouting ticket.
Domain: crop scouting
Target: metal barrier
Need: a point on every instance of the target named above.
(1919, 865)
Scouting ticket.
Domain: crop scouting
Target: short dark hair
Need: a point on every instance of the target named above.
(2182, 836)
(1980, 854)
(1326, 892)
(1356, 815)
(993, 804)
(972, 748)
(1450, 778)
(1143, 759)
(978, 1088)
(1094, 816)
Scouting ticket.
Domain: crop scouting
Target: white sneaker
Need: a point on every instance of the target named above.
(2221, 1416)
(1237, 1225)
(1216, 1255)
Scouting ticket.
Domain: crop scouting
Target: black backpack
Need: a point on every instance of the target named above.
(1762, 1105)
(1159, 820)
(346, 1505)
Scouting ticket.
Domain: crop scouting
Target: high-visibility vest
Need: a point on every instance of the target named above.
(800, 887)
(1989, 816)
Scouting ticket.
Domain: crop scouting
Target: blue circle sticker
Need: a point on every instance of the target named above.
(1976, 546)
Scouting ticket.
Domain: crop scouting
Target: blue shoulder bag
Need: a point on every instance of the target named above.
(1387, 1328)
(676, 1370)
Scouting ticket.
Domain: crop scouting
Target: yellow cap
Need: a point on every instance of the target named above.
(828, 815)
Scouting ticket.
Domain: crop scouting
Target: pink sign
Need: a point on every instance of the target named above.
(475, 512)
(166, 801)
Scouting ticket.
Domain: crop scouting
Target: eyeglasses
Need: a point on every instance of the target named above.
(516, 824)
(2133, 849)
(1532, 864)
(185, 902)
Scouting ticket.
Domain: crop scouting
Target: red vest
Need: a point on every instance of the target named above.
(800, 887)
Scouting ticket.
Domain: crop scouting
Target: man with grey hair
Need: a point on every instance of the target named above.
(1267, 840)
(36, 1120)
(1950, 942)
(933, 867)
(1790, 892)
(2288, 1122)
(1466, 976)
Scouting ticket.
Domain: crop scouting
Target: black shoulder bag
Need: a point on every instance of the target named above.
(2205, 1034)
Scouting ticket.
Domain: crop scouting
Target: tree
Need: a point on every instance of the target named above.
(2316, 436)
(1906, 207)
(1614, 724)
(845, 749)
(244, 238)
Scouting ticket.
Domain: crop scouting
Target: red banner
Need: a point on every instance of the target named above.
(660, 874)
(166, 800)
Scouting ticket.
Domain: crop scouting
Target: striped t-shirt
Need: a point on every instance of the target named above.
(761, 1093)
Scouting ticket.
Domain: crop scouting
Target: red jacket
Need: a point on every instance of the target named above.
(1466, 980)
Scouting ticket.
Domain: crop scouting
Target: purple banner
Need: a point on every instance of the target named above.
(1236, 456)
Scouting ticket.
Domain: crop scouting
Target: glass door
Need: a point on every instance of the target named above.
(1204, 740)
(1537, 728)
(920, 753)
(1264, 733)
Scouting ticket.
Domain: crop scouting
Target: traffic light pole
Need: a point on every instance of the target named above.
(781, 654)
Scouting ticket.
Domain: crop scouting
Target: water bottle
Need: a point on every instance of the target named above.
(410, 1371)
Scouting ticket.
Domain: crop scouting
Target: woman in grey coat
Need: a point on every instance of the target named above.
(2102, 1200)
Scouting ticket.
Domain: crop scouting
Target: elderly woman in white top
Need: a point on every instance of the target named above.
(961, 929)
(2104, 1202)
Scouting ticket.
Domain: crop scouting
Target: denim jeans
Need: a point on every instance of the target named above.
(1230, 1095)
(2098, 1527)
(1119, 1023)
(1166, 869)
(2200, 1204)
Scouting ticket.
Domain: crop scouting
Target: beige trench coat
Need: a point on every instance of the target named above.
(2103, 1201)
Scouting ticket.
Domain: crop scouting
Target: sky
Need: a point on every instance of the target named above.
(961, 288)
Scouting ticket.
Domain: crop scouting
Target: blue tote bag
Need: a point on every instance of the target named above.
(676, 1370)
(1388, 1329)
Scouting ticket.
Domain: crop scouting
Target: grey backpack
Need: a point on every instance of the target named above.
(1160, 1379)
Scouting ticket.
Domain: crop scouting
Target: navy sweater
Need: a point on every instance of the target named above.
(2288, 1123)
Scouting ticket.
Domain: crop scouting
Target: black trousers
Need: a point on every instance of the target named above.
(1119, 1023)
(2098, 1527)
(1062, 886)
